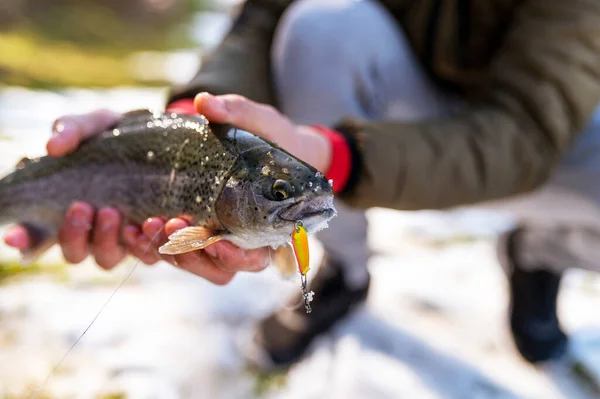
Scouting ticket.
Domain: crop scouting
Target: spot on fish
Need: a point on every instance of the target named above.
(151, 155)
(198, 199)
(330, 181)
(310, 184)
(270, 154)
(207, 158)
(285, 171)
(149, 124)
(265, 170)
(319, 175)
(168, 149)
(116, 132)
(272, 163)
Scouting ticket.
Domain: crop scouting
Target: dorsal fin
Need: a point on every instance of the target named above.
(23, 162)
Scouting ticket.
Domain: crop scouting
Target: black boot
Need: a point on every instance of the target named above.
(284, 336)
(533, 319)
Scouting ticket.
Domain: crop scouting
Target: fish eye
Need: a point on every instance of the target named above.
(281, 190)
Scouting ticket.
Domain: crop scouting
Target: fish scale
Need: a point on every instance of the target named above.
(119, 172)
(219, 177)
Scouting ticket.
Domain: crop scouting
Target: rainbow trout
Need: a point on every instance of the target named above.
(228, 183)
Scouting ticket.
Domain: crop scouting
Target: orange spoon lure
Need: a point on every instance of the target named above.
(300, 245)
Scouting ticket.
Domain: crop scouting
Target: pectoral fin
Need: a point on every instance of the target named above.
(189, 239)
(284, 260)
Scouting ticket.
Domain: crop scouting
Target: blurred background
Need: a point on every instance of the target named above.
(435, 323)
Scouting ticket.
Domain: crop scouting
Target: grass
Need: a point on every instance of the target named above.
(29, 394)
(38, 64)
(89, 45)
(266, 382)
(13, 270)
(116, 395)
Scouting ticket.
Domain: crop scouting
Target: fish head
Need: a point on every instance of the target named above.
(268, 191)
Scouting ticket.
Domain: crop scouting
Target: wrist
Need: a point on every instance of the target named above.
(315, 148)
(337, 165)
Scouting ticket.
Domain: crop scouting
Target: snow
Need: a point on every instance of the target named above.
(434, 325)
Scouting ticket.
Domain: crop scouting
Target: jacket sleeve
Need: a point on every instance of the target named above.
(541, 88)
(241, 64)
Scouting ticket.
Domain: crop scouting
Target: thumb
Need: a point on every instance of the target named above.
(70, 130)
(243, 113)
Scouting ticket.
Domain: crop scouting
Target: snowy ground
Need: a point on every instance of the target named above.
(434, 325)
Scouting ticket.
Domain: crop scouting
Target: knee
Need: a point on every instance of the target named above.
(304, 24)
(320, 32)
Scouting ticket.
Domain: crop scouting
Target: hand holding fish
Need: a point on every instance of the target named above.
(265, 121)
(87, 230)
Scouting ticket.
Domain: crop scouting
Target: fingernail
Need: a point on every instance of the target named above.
(79, 218)
(106, 225)
(106, 220)
(130, 230)
(211, 250)
(61, 126)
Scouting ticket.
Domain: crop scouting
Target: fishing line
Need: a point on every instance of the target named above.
(55, 368)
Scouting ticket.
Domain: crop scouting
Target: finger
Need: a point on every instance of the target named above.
(74, 234)
(17, 237)
(199, 263)
(140, 246)
(154, 229)
(175, 224)
(230, 258)
(239, 111)
(106, 247)
(70, 130)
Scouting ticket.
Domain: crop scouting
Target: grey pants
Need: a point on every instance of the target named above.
(337, 58)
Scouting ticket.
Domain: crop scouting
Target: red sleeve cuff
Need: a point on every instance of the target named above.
(341, 158)
(183, 106)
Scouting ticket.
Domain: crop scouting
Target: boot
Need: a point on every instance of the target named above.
(283, 337)
(533, 320)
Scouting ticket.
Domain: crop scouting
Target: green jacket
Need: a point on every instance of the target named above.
(529, 70)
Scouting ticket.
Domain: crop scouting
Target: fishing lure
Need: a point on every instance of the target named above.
(301, 252)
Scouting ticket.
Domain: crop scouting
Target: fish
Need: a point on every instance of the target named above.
(228, 183)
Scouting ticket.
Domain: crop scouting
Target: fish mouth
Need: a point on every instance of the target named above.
(326, 213)
(313, 213)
